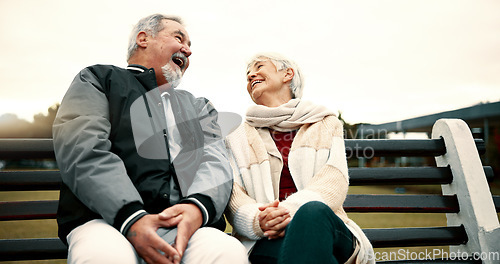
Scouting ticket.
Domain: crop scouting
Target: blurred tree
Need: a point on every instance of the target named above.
(12, 126)
(41, 127)
(350, 131)
(42, 124)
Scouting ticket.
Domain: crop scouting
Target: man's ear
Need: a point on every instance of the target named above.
(142, 39)
(289, 73)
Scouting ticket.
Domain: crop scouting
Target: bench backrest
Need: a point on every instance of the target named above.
(472, 235)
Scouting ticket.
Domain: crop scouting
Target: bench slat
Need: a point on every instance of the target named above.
(53, 248)
(50, 180)
(496, 201)
(363, 148)
(27, 210)
(401, 203)
(416, 236)
(360, 203)
(399, 176)
(355, 148)
(26, 148)
(32, 249)
(394, 147)
(30, 180)
(405, 175)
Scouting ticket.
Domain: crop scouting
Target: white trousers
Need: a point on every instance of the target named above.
(98, 242)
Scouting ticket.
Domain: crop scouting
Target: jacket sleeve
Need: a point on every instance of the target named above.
(330, 182)
(82, 147)
(212, 184)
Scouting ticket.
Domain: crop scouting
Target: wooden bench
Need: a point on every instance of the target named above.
(471, 209)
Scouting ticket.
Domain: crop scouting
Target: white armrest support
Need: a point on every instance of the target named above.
(477, 210)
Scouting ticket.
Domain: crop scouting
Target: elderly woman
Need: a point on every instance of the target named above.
(290, 170)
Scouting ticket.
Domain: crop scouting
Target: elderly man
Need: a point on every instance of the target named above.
(144, 168)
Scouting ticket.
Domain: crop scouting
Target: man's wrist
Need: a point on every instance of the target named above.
(127, 216)
(205, 213)
(131, 220)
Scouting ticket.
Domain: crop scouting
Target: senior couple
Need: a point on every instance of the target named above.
(147, 175)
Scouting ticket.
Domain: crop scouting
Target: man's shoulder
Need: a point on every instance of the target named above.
(188, 95)
(103, 77)
(105, 73)
(104, 68)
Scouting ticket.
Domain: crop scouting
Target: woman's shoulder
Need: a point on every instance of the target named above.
(329, 123)
(332, 119)
(237, 132)
(239, 135)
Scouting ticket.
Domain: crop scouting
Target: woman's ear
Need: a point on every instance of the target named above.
(142, 39)
(289, 73)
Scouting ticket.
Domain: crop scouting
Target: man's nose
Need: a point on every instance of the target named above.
(186, 50)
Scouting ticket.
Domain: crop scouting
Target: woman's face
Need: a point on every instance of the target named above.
(266, 85)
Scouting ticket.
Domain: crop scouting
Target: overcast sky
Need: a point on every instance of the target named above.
(375, 61)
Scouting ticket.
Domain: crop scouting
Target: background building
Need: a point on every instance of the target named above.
(483, 120)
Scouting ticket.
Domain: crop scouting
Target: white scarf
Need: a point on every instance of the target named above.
(288, 116)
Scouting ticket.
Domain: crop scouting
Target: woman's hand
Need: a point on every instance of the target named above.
(273, 220)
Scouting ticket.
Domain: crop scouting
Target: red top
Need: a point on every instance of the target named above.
(283, 141)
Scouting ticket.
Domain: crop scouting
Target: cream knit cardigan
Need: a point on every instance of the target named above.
(317, 163)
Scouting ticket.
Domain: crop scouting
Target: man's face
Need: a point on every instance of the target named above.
(170, 50)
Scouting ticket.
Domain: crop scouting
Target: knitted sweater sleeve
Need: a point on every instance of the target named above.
(242, 210)
(329, 182)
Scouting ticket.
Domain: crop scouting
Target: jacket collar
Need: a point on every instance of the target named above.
(144, 75)
(136, 68)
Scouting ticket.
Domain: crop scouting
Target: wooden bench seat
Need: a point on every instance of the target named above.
(455, 234)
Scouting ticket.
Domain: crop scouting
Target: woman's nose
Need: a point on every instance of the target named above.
(250, 75)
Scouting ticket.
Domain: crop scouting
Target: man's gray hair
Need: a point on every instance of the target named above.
(152, 25)
(282, 63)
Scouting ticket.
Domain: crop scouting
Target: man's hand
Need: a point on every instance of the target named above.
(273, 220)
(142, 235)
(191, 220)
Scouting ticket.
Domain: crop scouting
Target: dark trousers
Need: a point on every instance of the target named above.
(315, 235)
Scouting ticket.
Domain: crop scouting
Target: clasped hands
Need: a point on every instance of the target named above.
(151, 247)
(273, 220)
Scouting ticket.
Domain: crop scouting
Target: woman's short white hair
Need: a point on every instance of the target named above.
(281, 63)
(151, 24)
